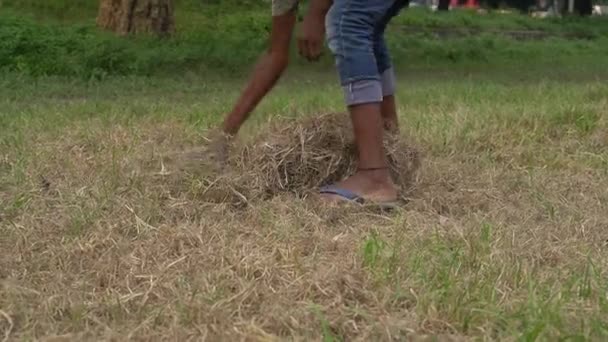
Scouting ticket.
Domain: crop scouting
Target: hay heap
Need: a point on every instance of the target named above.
(298, 156)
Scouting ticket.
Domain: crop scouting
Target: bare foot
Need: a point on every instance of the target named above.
(373, 186)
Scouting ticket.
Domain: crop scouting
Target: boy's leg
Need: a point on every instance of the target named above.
(266, 73)
(351, 25)
(389, 114)
(387, 74)
(386, 70)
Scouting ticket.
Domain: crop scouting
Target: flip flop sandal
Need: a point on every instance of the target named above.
(352, 197)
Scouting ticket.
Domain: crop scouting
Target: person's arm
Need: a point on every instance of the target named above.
(310, 40)
(267, 72)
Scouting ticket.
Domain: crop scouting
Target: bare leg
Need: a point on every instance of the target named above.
(266, 73)
(374, 184)
(389, 114)
(355, 28)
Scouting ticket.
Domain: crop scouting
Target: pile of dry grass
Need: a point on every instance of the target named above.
(298, 156)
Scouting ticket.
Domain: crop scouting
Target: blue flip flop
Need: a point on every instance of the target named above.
(354, 198)
(344, 193)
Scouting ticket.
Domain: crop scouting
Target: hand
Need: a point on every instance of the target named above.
(310, 38)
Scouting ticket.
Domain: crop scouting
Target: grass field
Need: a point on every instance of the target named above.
(504, 236)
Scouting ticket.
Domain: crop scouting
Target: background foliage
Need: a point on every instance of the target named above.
(59, 37)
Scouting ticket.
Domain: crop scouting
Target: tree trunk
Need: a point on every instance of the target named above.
(444, 5)
(136, 16)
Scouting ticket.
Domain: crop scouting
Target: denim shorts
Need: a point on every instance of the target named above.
(355, 35)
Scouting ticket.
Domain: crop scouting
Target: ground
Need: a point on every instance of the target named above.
(504, 236)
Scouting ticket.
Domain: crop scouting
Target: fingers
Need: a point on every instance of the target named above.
(309, 49)
(314, 50)
(303, 47)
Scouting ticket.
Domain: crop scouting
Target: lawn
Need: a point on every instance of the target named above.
(504, 236)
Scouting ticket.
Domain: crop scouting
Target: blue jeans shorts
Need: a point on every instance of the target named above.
(355, 35)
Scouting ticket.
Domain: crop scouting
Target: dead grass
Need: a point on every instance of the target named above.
(289, 156)
(493, 243)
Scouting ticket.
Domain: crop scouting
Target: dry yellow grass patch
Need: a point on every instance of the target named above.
(99, 242)
(290, 156)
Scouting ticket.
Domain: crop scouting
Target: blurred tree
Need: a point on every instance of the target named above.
(136, 16)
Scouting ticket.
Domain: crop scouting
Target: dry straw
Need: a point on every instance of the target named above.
(298, 156)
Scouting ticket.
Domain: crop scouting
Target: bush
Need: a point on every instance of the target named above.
(60, 9)
(41, 50)
(78, 50)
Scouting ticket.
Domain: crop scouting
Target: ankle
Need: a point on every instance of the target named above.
(376, 175)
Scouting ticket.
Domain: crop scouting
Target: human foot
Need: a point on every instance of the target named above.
(373, 186)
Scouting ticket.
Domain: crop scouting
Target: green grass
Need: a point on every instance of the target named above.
(229, 38)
